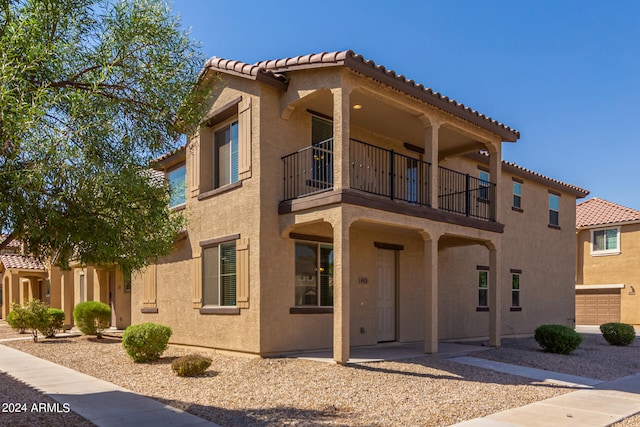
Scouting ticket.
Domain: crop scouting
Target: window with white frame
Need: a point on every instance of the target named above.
(219, 274)
(605, 241)
(483, 288)
(314, 274)
(225, 154)
(517, 195)
(177, 179)
(554, 210)
(515, 289)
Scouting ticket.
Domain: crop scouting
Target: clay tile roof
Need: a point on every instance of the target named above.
(12, 244)
(275, 67)
(581, 192)
(597, 211)
(21, 262)
(528, 173)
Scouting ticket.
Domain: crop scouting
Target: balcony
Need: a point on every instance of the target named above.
(376, 170)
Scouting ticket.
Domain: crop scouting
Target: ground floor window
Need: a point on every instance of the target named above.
(515, 290)
(219, 274)
(314, 274)
(483, 287)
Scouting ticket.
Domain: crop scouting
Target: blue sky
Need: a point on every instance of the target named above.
(566, 74)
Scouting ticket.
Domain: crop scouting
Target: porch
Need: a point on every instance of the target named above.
(394, 351)
(390, 175)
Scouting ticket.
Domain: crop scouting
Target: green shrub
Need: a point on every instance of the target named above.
(37, 316)
(92, 317)
(56, 320)
(190, 365)
(146, 342)
(557, 338)
(618, 333)
(17, 318)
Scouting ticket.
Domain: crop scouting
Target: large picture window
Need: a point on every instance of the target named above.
(314, 274)
(605, 241)
(226, 155)
(219, 275)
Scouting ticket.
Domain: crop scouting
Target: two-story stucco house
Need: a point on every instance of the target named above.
(608, 260)
(334, 203)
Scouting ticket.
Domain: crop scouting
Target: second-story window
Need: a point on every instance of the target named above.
(177, 186)
(554, 210)
(605, 241)
(517, 195)
(225, 155)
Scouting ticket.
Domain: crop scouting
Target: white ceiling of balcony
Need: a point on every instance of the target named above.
(387, 119)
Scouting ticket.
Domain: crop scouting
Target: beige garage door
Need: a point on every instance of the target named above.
(597, 306)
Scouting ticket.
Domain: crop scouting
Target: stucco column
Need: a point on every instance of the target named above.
(430, 293)
(16, 289)
(431, 155)
(495, 176)
(66, 295)
(341, 292)
(341, 167)
(495, 290)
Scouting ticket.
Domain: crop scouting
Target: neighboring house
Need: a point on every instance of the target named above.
(334, 203)
(23, 278)
(608, 260)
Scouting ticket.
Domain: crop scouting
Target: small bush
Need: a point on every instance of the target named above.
(17, 318)
(190, 365)
(557, 338)
(146, 342)
(37, 315)
(92, 317)
(56, 320)
(618, 333)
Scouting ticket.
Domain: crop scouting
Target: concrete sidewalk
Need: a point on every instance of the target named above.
(599, 404)
(100, 402)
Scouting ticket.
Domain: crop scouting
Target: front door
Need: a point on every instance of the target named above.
(386, 295)
(112, 296)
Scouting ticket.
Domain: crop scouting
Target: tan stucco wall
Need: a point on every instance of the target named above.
(614, 269)
(251, 211)
(229, 213)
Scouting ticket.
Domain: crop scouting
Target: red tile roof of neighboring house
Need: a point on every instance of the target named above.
(599, 212)
(12, 244)
(21, 262)
(273, 69)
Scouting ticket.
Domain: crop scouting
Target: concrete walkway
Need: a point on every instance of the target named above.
(100, 402)
(598, 404)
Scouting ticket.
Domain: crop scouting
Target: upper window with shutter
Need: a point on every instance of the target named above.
(225, 149)
(225, 155)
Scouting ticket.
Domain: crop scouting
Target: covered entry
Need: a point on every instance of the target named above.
(597, 304)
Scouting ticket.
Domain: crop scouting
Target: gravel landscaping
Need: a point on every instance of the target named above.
(242, 391)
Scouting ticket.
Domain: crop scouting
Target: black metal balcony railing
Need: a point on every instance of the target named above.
(465, 194)
(309, 170)
(386, 173)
